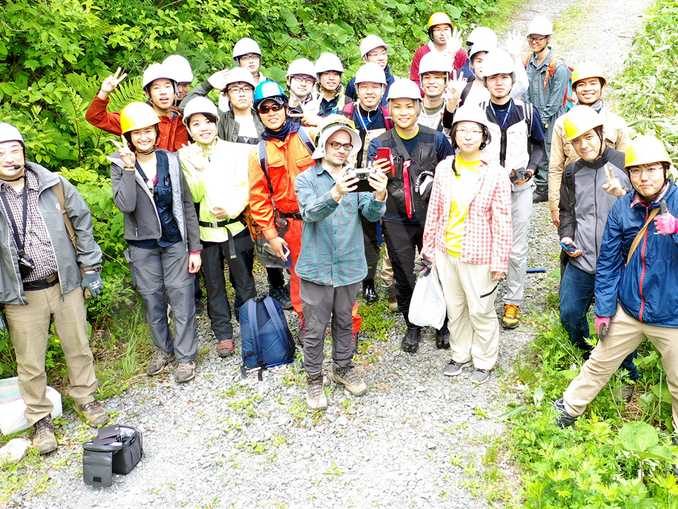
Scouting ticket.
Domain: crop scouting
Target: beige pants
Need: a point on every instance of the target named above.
(624, 336)
(29, 333)
(472, 320)
(386, 272)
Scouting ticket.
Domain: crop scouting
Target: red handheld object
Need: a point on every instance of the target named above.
(409, 206)
(385, 153)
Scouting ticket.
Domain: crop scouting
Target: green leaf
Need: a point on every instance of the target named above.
(638, 437)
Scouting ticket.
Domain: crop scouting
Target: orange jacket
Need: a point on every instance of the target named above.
(285, 160)
(172, 134)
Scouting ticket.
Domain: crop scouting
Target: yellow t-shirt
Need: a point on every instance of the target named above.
(461, 196)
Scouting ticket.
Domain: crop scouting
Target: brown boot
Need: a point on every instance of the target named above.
(43, 436)
(94, 413)
(225, 347)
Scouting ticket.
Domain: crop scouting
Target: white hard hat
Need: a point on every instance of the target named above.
(498, 61)
(180, 67)
(328, 62)
(331, 125)
(245, 46)
(222, 79)
(471, 113)
(10, 133)
(434, 62)
(301, 66)
(404, 89)
(154, 72)
(479, 47)
(482, 35)
(371, 42)
(540, 25)
(199, 104)
(370, 73)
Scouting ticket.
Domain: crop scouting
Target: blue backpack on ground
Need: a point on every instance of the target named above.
(266, 339)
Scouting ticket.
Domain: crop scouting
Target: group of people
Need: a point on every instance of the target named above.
(443, 168)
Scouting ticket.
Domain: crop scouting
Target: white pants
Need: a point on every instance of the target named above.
(472, 319)
(521, 213)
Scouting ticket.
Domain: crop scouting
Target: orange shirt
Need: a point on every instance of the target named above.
(285, 160)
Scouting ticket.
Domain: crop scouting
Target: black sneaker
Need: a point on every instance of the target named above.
(443, 339)
(282, 295)
(369, 293)
(563, 419)
(541, 194)
(410, 342)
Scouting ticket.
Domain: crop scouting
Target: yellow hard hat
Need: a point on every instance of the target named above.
(439, 18)
(586, 71)
(580, 120)
(645, 150)
(137, 115)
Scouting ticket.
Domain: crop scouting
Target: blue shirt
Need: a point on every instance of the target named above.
(332, 248)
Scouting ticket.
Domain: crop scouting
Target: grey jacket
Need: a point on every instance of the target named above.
(584, 205)
(228, 127)
(135, 201)
(69, 262)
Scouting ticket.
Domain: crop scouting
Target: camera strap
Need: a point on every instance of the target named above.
(19, 241)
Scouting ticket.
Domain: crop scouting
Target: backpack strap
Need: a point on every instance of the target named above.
(61, 199)
(465, 92)
(310, 146)
(252, 314)
(641, 233)
(263, 163)
(388, 121)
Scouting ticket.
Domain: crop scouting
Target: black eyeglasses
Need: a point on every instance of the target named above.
(272, 107)
(335, 145)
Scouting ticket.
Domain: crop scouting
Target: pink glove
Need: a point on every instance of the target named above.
(666, 224)
(602, 324)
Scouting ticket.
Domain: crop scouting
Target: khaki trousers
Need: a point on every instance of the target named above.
(472, 319)
(29, 333)
(624, 336)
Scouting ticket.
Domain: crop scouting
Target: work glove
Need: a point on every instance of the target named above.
(666, 223)
(91, 282)
(602, 324)
(422, 266)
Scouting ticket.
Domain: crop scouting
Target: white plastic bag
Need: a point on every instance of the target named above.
(427, 307)
(12, 406)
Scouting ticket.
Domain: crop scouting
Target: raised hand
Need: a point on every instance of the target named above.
(345, 182)
(112, 82)
(453, 92)
(613, 186)
(454, 43)
(514, 43)
(126, 155)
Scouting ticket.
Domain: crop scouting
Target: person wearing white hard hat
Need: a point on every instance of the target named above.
(371, 118)
(434, 72)
(301, 79)
(468, 239)
(160, 88)
(588, 82)
(247, 54)
(482, 37)
(329, 95)
(517, 144)
(374, 50)
(409, 153)
(445, 40)
(48, 256)
(547, 89)
(180, 68)
(331, 264)
(216, 172)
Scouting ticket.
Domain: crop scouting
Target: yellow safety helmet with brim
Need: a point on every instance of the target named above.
(645, 149)
(587, 70)
(439, 18)
(580, 120)
(137, 115)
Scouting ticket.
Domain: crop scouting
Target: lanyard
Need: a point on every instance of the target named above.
(508, 111)
(20, 242)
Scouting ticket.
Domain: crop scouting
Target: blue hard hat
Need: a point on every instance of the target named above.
(268, 89)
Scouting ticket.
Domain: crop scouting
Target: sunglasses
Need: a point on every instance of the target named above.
(264, 109)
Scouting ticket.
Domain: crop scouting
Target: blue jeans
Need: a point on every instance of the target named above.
(576, 297)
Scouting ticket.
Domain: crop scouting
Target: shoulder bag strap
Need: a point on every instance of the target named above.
(641, 233)
(61, 198)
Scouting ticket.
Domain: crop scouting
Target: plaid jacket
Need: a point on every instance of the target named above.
(487, 231)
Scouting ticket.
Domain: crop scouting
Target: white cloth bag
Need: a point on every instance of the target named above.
(427, 307)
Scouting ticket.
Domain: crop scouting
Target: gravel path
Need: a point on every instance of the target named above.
(416, 439)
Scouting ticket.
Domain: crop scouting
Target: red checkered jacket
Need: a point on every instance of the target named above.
(487, 231)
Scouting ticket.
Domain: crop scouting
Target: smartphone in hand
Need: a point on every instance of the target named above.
(385, 153)
(568, 248)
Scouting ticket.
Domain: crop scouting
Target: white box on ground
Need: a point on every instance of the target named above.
(12, 406)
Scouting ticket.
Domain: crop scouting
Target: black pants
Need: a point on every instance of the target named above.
(276, 277)
(371, 247)
(403, 241)
(214, 257)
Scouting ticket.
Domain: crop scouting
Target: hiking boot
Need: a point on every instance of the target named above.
(315, 395)
(369, 293)
(541, 194)
(94, 413)
(480, 376)
(443, 339)
(392, 301)
(348, 377)
(185, 372)
(158, 362)
(454, 368)
(511, 318)
(225, 347)
(43, 436)
(410, 342)
(282, 295)
(563, 419)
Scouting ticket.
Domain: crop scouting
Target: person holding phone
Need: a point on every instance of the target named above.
(591, 185)
(161, 230)
(332, 264)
